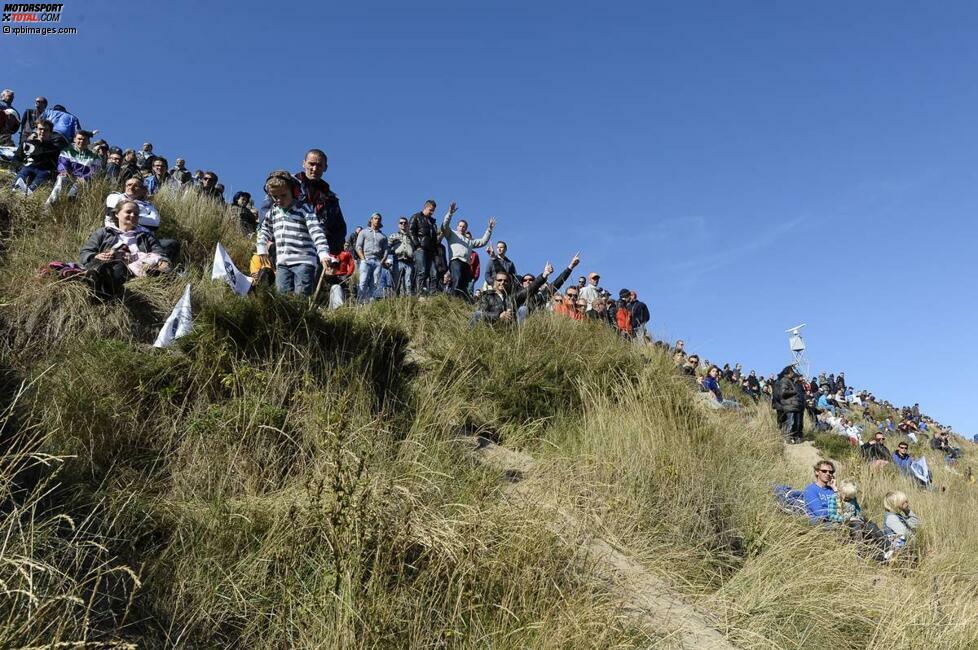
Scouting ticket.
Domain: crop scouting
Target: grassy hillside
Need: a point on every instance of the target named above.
(290, 478)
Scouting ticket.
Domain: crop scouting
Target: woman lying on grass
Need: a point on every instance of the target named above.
(116, 253)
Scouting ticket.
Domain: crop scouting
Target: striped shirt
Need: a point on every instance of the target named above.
(297, 234)
(78, 164)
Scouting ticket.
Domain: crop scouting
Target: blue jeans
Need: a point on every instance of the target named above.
(426, 271)
(30, 178)
(369, 279)
(403, 273)
(460, 272)
(297, 278)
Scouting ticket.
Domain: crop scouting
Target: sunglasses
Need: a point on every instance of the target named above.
(827, 471)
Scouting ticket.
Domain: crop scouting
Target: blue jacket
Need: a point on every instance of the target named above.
(712, 385)
(63, 122)
(818, 501)
(902, 463)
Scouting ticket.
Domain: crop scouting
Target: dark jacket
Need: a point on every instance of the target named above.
(789, 395)
(540, 299)
(492, 305)
(424, 232)
(104, 239)
(42, 154)
(326, 205)
(873, 451)
(499, 264)
(640, 314)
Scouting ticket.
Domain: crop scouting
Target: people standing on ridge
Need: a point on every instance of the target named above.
(371, 250)
(297, 235)
(460, 246)
(592, 291)
(317, 194)
(424, 238)
(498, 262)
(402, 251)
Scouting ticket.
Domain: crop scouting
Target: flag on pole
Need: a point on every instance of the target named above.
(225, 268)
(179, 322)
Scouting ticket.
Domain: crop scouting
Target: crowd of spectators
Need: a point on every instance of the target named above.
(302, 246)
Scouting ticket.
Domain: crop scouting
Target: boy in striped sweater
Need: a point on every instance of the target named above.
(294, 229)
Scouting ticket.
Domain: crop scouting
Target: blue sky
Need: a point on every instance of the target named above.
(744, 166)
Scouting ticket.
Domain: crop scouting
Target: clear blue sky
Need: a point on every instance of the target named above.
(744, 166)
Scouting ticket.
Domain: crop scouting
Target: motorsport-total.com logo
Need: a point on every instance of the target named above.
(32, 12)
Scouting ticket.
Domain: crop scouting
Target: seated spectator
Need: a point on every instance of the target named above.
(76, 164)
(678, 359)
(460, 246)
(900, 522)
(691, 365)
(298, 238)
(158, 177)
(101, 151)
(244, 217)
(940, 442)
(208, 187)
(9, 118)
(39, 156)
(499, 305)
(113, 162)
(901, 458)
(129, 167)
(371, 250)
(821, 501)
(599, 312)
(62, 122)
(711, 382)
(752, 385)
(115, 253)
(149, 216)
(875, 451)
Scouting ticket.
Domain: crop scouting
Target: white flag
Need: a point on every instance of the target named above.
(179, 322)
(920, 470)
(225, 268)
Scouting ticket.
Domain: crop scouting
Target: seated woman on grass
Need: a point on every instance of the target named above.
(711, 382)
(900, 522)
(118, 252)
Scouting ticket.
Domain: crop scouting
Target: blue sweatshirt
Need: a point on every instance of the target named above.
(821, 504)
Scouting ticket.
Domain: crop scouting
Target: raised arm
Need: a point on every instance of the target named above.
(482, 241)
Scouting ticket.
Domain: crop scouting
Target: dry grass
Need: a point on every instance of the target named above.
(287, 478)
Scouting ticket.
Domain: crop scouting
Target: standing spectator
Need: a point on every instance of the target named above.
(460, 247)
(499, 262)
(9, 118)
(297, 235)
(180, 173)
(753, 385)
(592, 291)
(145, 157)
(243, 215)
(640, 316)
(789, 398)
(623, 314)
(371, 250)
(31, 116)
(158, 177)
(62, 122)
(39, 156)
(424, 238)
(76, 164)
(402, 250)
(317, 194)
(568, 307)
(336, 276)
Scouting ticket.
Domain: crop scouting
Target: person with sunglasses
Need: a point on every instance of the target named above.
(821, 500)
(902, 459)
